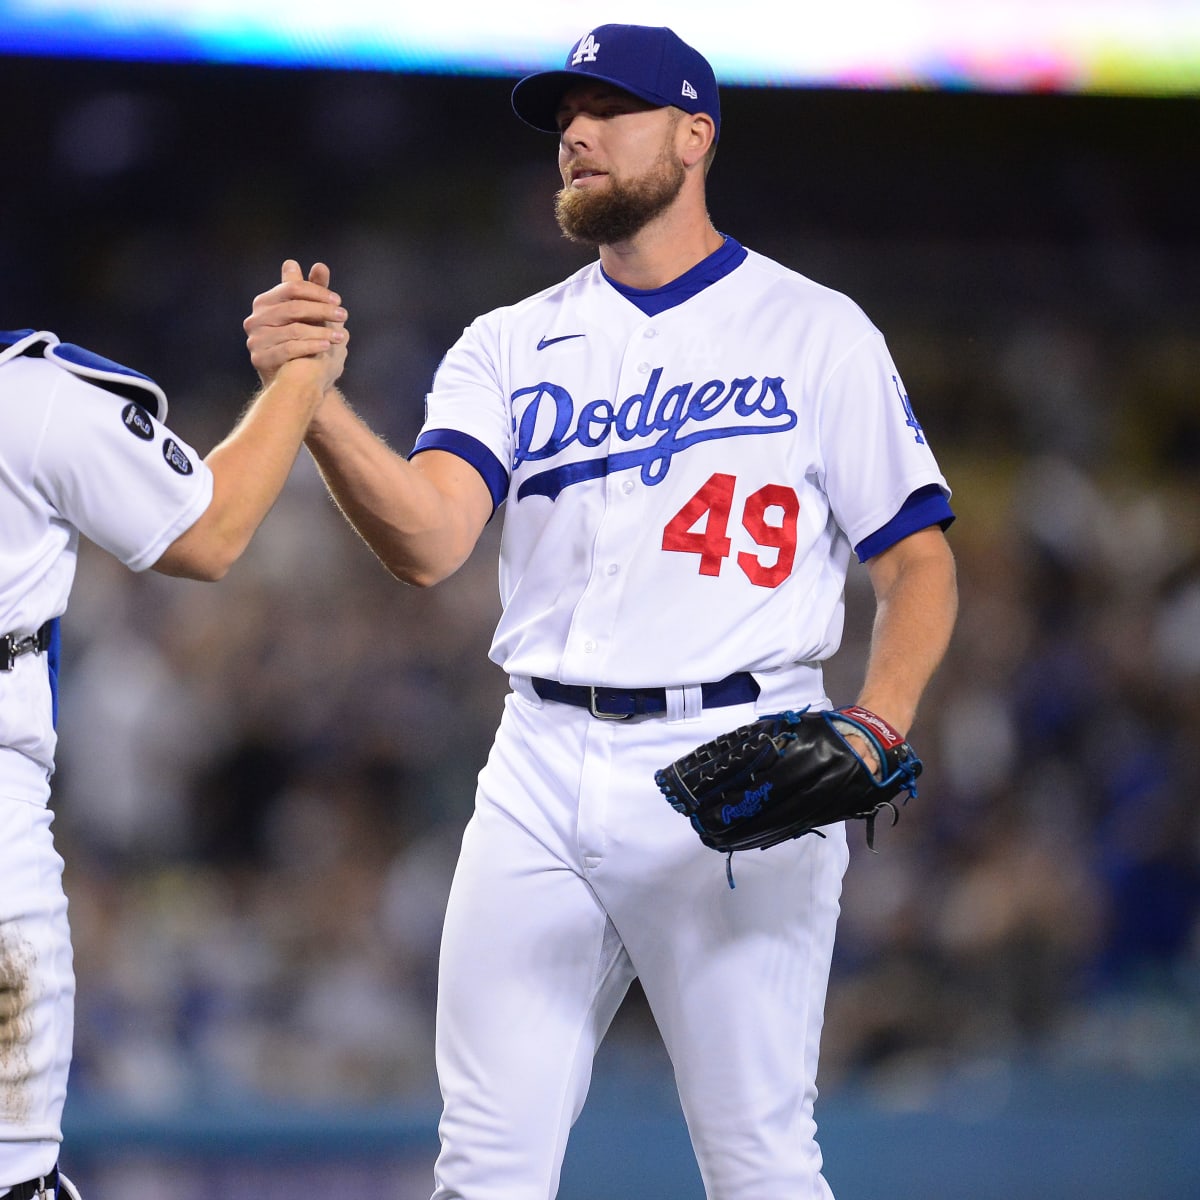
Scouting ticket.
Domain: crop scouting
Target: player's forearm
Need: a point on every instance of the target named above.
(916, 607)
(417, 525)
(249, 468)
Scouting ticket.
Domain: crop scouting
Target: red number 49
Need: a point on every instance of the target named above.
(711, 508)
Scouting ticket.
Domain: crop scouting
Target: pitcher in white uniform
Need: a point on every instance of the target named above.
(689, 441)
(83, 449)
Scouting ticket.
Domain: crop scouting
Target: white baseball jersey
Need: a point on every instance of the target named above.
(716, 448)
(687, 473)
(81, 450)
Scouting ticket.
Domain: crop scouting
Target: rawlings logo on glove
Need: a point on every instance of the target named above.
(789, 774)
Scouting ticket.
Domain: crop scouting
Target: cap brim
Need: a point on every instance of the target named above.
(536, 98)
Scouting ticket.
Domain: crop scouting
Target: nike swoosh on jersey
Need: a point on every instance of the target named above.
(562, 337)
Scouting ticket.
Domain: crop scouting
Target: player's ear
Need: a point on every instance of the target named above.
(698, 132)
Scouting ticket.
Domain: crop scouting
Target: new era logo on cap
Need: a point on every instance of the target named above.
(651, 62)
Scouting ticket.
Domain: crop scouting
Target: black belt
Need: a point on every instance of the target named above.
(12, 646)
(44, 1186)
(619, 704)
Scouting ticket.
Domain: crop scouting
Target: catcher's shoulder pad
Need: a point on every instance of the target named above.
(103, 372)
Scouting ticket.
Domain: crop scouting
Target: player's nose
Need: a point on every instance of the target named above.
(576, 130)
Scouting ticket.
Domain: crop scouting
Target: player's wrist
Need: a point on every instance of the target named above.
(897, 716)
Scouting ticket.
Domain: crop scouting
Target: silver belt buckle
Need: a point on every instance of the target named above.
(603, 716)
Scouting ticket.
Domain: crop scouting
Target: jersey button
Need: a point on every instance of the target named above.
(627, 486)
(613, 568)
(589, 647)
(644, 368)
(651, 333)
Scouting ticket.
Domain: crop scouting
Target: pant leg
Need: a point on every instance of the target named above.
(741, 1015)
(736, 978)
(37, 991)
(530, 976)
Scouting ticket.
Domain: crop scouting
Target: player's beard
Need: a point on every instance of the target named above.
(604, 216)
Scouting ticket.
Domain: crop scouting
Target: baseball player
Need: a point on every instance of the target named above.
(83, 449)
(690, 441)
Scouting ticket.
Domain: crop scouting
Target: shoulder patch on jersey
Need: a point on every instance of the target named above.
(177, 460)
(124, 381)
(137, 420)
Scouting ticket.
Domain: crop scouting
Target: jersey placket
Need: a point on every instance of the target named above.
(594, 625)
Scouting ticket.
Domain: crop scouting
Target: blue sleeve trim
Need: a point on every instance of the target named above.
(471, 450)
(925, 507)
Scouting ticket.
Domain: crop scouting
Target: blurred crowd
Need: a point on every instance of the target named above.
(263, 782)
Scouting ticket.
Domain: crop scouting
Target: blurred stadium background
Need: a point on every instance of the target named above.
(262, 783)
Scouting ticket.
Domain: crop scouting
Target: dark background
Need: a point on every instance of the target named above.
(262, 783)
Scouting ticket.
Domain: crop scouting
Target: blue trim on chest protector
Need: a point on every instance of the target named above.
(54, 663)
(94, 368)
(716, 266)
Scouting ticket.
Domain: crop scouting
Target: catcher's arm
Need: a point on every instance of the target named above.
(916, 603)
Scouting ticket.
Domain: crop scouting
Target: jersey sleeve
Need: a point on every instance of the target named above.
(467, 411)
(112, 471)
(926, 507)
(875, 452)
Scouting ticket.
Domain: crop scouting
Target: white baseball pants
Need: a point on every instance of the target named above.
(575, 877)
(37, 992)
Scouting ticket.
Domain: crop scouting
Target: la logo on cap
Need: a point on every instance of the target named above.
(586, 51)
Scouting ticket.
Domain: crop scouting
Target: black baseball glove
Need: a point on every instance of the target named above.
(788, 774)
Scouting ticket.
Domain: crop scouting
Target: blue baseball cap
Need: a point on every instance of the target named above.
(649, 61)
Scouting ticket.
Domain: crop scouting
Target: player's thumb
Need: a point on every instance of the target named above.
(291, 270)
(319, 275)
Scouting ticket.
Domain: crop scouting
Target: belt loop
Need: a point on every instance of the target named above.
(685, 703)
(524, 687)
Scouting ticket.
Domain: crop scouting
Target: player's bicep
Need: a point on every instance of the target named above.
(466, 496)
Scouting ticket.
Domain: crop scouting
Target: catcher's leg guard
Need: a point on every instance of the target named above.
(55, 1186)
(66, 1189)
